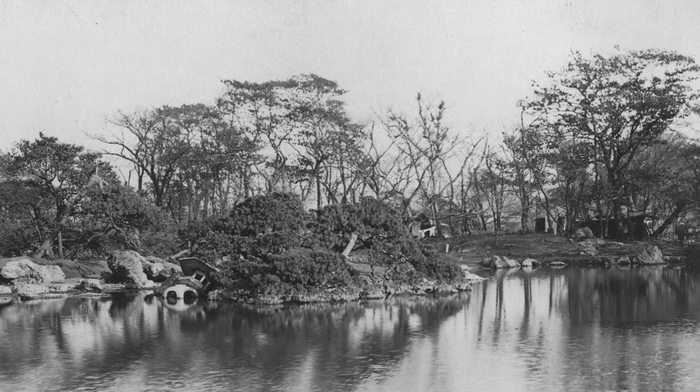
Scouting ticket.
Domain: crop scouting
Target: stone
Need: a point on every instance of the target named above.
(589, 251)
(529, 263)
(586, 248)
(60, 287)
(649, 255)
(502, 262)
(5, 290)
(468, 275)
(624, 260)
(52, 273)
(28, 271)
(127, 267)
(90, 286)
(30, 289)
(158, 270)
(583, 233)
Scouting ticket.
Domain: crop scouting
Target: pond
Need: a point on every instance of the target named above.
(539, 330)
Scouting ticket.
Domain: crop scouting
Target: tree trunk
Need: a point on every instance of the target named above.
(438, 228)
(484, 226)
(524, 211)
(350, 245)
(628, 222)
(602, 222)
(619, 226)
(550, 219)
(61, 220)
(680, 207)
(60, 245)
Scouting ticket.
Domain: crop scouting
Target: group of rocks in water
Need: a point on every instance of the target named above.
(590, 250)
(26, 278)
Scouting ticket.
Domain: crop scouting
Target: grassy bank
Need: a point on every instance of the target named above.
(546, 248)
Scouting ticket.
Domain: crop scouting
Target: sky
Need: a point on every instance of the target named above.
(66, 67)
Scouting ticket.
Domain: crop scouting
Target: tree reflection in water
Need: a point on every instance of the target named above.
(99, 341)
(541, 329)
(593, 329)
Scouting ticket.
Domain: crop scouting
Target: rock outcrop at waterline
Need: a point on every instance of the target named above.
(28, 279)
(340, 294)
(368, 282)
(649, 255)
(131, 270)
(587, 253)
(498, 262)
(140, 272)
(127, 267)
(25, 270)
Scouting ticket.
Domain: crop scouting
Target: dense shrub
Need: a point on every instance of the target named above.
(278, 212)
(256, 227)
(311, 268)
(15, 239)
(268, 244)
(441, 270)
(159, 242)
(380, 229)
(261, 243)
(294, 269)
(374, 222)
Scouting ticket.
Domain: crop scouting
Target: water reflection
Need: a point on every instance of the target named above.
(534, 329)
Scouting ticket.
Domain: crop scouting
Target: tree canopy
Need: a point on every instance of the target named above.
(613, 108)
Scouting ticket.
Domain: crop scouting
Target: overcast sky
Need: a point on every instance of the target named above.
(65, 66)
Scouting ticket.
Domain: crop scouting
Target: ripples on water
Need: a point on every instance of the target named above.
(540, 330)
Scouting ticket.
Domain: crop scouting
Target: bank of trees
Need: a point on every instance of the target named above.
(601, 140)
(60, 200)
(606, 129)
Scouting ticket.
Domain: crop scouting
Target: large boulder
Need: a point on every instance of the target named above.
(154, 270)
(25, 270)
(649, 255)
(499, 262)
(127, 267)
(30, 289)
(158, 270)
(529, 262)
(5, 290)
(586, 248)
(583, 233)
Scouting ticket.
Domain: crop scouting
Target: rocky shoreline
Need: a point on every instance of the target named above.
(343, 294)
(128, 271)
(27, 279)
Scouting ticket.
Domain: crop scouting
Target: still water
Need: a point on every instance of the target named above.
(541, 330)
